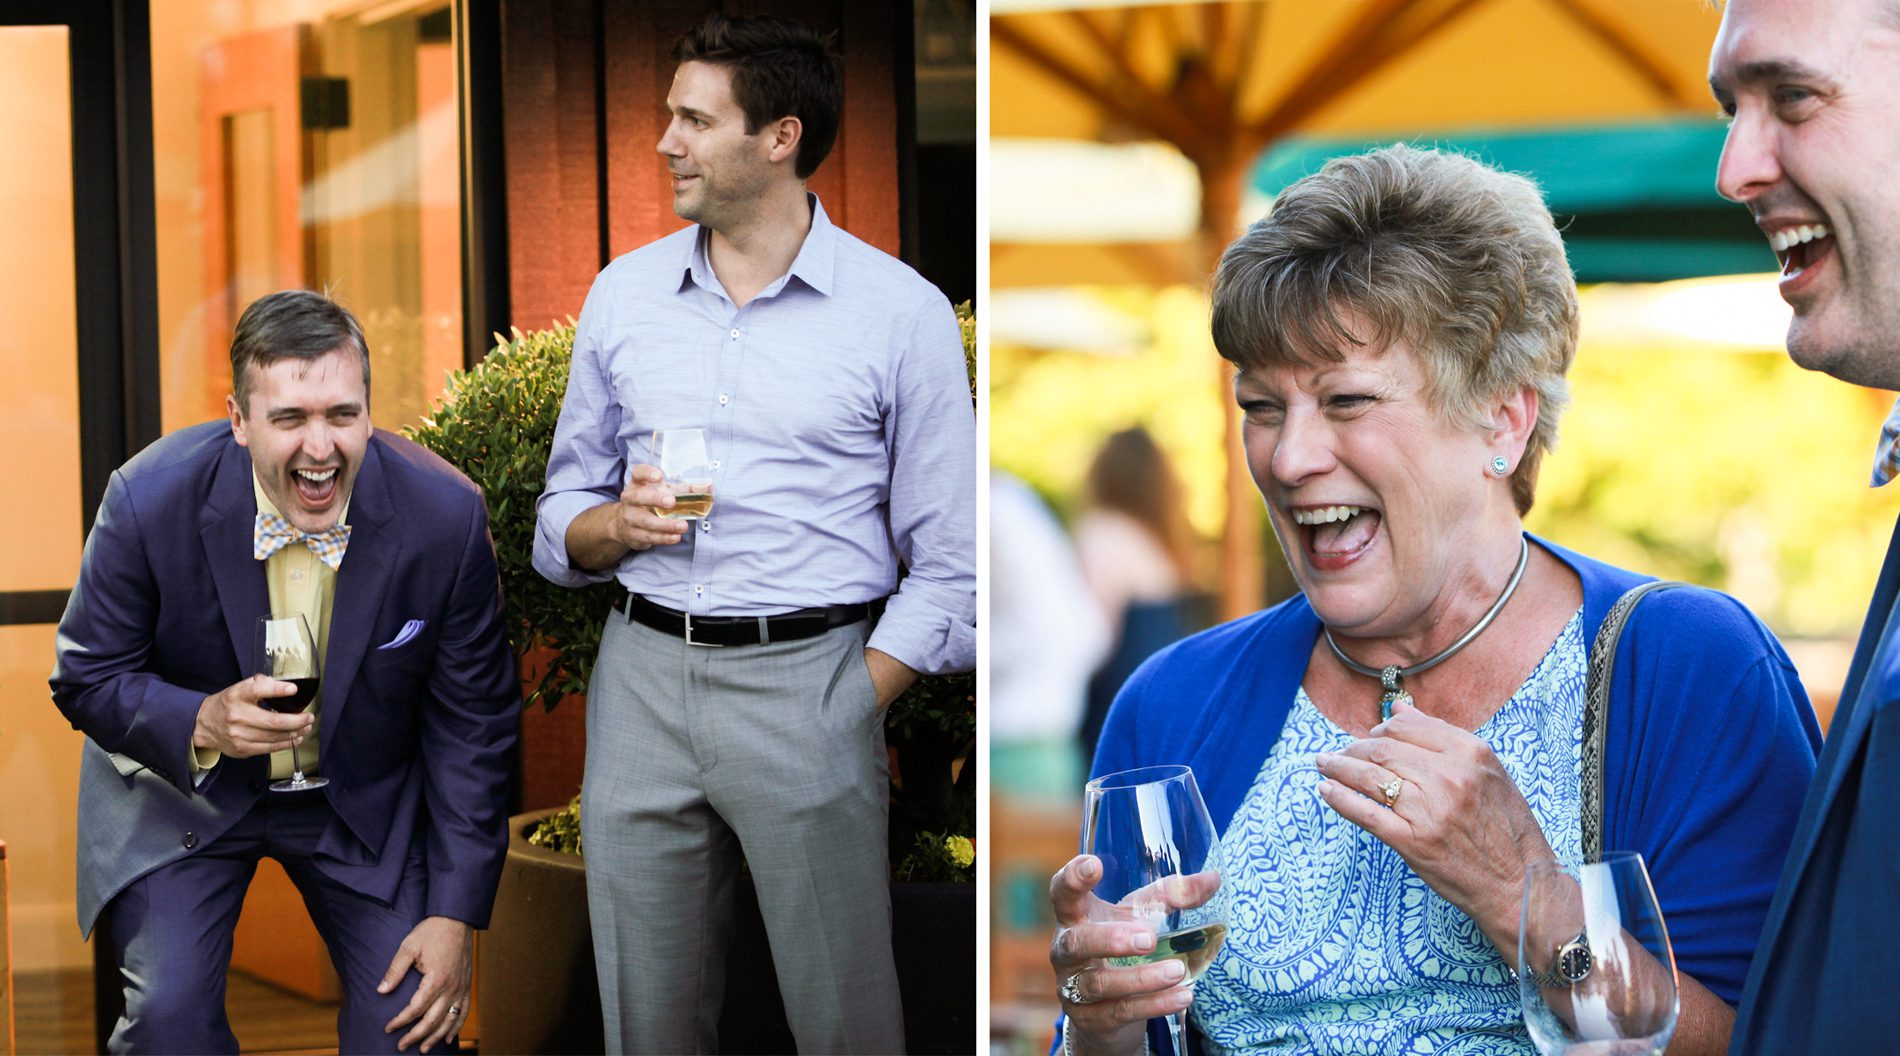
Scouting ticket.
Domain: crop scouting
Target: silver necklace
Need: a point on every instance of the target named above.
(1392, 676)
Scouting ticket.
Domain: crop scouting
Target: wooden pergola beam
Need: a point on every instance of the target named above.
(1371, 51)
(1634, 52)
(1136, 108)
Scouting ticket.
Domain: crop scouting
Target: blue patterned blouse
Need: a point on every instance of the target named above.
(1336, 946)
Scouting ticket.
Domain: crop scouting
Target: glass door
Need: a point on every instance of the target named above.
(79, 357)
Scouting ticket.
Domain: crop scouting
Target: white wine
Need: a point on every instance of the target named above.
(1194, 947)
(687, 506)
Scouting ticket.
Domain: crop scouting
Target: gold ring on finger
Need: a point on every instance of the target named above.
(1390, 790)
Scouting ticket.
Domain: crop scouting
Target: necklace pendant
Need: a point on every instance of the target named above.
(1391, 698)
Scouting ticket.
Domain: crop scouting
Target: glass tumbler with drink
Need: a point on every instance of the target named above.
(681, 457)
(1161, 865)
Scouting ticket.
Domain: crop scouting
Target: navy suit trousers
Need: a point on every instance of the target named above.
(172, 929)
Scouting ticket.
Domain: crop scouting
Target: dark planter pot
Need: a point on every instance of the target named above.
(538, 992)
(933, 940)
(535, 966)
(933, 934)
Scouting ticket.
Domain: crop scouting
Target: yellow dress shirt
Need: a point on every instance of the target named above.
(299, 585)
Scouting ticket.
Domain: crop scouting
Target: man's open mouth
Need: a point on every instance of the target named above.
(1336, 530)
(1799, 247)
(316, 487)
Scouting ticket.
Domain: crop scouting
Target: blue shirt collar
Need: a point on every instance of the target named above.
(813, 266)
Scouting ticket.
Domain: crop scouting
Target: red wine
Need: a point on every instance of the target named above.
(306, 692)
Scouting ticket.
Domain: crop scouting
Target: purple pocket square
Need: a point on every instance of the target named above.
(404, 636)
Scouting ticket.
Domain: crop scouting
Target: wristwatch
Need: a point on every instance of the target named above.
(1572, 966)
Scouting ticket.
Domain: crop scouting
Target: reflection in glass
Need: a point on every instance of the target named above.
(308, 144)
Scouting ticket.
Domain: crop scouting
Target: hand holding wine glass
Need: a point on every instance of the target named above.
(1135, 939)
(284, 649)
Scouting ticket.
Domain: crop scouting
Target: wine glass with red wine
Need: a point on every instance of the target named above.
(283, 649)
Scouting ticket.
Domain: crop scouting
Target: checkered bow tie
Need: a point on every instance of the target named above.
(1887, 455)
(273, 533)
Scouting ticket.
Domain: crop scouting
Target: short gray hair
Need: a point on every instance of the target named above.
(1459, 261)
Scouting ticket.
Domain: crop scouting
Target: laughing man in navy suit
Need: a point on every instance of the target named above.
(1813, 141)
(296, 505)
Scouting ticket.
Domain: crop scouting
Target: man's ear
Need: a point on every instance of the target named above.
(236, 414)
(783, 137)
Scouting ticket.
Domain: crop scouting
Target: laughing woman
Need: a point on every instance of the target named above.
(1387, 752)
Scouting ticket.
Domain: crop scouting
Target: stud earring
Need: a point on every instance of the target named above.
(1500, 465)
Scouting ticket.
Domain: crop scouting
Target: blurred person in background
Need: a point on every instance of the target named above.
(1812, 141)
(1137, 552)
(1046, 636)
(1390, 750)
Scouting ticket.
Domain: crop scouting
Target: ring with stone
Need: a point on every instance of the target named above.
(1391, 790)
(1071, 993)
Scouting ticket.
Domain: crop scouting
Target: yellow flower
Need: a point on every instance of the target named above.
(960, 849)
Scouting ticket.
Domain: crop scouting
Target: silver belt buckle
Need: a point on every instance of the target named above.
(702, 645)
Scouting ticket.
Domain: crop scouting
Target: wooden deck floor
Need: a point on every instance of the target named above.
(53, 1016)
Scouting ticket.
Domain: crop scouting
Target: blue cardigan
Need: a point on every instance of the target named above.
(1711, 742)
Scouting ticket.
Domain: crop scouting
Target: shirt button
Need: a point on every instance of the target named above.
(715, 463)
(735, 334)
(191, 840)
(699, 588)
(705, 525)
(724, 399)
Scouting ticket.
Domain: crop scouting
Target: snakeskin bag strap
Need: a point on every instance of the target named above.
(1596, 710)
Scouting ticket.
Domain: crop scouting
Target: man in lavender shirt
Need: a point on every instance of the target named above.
(737, 708)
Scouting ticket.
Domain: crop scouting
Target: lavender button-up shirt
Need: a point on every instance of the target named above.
(837, 415)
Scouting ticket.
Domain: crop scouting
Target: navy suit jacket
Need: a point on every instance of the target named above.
(1822, 980)
(416, 738)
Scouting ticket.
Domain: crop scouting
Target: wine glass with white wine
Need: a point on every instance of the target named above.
(688, 472)
(1161, 865)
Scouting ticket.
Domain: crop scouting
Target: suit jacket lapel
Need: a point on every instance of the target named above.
(360, 585)
(229, 520)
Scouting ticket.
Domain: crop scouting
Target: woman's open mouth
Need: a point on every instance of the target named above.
(1335, 536)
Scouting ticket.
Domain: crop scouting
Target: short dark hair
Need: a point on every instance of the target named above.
(291, 324)
(780, 68)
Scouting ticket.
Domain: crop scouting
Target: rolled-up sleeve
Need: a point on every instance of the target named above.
(585, 466)
(930, 624)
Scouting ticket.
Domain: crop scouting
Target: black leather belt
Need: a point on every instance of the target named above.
(745, 630)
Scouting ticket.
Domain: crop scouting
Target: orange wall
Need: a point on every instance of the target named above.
(40, 514)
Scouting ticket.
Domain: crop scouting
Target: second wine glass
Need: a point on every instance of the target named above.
(1595, 971)
(1161, 866)
(283, 648)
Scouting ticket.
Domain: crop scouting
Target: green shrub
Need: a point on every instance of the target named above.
(496, 424)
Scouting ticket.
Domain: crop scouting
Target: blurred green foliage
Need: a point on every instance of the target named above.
(1732, 469)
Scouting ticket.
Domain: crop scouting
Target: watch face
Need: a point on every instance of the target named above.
(1574, 961)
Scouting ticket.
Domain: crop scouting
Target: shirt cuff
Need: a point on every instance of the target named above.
(555, 516)
(203, 759)
(925, 641)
